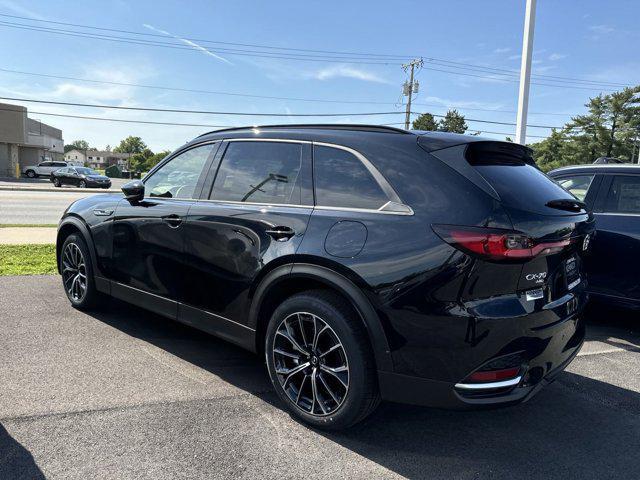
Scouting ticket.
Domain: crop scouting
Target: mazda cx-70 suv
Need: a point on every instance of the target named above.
(363, 263)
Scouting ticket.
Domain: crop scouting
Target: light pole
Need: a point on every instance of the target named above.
(525, 72)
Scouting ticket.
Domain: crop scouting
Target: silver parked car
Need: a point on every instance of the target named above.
(43, 168)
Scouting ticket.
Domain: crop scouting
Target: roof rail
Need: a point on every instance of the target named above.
(323, 126)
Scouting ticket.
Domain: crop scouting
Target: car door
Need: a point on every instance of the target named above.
(45, 168)
(615, 259)
(255, 214)
(147, 258)
(70, 176)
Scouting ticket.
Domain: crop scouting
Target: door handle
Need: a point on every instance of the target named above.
(174, 221)
(281, 233)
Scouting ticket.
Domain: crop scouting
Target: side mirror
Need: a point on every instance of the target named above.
(133, 191)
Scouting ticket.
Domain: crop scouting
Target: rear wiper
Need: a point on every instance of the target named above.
(567, 204)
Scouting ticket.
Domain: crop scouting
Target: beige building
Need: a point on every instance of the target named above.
(24, 141)
(98, 158)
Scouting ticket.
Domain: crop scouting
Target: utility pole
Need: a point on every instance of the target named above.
(411, 87)
(525, 72)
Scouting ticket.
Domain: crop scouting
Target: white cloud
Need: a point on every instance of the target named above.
(20, 10)
(346, 71)
(602, 29)
(502, 50)
(557, 56)
(187, 42)
(515, 57)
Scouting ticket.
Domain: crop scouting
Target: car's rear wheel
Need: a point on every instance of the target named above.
(56, 182)
(31, 174)
(320, 361)
(82, 184)
(77, 273)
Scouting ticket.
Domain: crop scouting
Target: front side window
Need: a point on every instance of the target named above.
(259, 172)
(342, 180)
(178, 177)
(624, 195)
(45, 164)
(578, 185)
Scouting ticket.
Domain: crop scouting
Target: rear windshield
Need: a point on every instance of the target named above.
(509, 169)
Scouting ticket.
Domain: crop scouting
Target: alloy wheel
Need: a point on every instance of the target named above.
(311, 364)
(74, 272)
(82, 184)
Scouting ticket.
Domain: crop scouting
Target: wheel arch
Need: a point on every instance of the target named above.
(287, 280)
(68, 226)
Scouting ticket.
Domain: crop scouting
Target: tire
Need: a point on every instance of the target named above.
(82, 184)
(31, 174)
(340, 399)
(56, 182)
(75, 254)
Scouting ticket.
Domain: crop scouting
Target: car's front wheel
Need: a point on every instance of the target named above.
(320, 361)
(56, 182)
(82, 184)
(77, 273)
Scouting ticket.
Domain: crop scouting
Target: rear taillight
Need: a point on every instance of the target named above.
(496, 244)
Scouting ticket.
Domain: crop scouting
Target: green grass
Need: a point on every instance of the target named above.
(28, 259)
(28, 225)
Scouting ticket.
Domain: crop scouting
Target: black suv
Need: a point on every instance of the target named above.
(363, 262)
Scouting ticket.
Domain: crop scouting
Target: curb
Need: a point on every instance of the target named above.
(22, 188)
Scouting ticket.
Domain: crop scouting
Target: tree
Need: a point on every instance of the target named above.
(81, 145)
(551, 152)
(425, 122)
(131, 145)
(453, 122)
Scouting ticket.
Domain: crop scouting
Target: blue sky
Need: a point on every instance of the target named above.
(589, 40)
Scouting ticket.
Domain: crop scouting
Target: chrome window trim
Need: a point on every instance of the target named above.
(483, 386)
(622, 214)
(279, 140)
(409, 211)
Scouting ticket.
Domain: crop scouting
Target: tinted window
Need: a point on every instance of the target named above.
(259, 172)
(578, 185)
(523, 186)
(342, 180)
(178, 177)
(624, 195)
(59, 164)
(86, 171)
(45, 164)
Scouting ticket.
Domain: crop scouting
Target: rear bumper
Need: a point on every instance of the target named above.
(565, 341)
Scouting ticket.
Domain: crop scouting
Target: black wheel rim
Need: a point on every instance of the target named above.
(311, 364)
(74, 272)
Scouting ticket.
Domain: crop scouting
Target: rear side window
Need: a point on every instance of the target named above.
(342, 180)
(509, 169)
(578, 185)
(624, 195)
(259, 172)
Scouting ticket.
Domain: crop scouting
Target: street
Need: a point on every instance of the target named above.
(126, 394)
(33, 207)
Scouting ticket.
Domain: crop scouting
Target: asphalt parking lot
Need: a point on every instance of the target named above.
(126, 394)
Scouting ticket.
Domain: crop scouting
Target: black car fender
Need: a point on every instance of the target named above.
(338, 282)
(76, 224)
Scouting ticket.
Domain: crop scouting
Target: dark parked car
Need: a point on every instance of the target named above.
(613, 193)
(82, 177)
(363, 262)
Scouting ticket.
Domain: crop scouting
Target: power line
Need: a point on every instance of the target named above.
(506, 76)
(248, 114)
(203, 112)
(494, 76)
(378, 56)
(235, 94)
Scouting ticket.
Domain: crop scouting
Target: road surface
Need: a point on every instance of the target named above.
(123, 393)
(35, 207)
